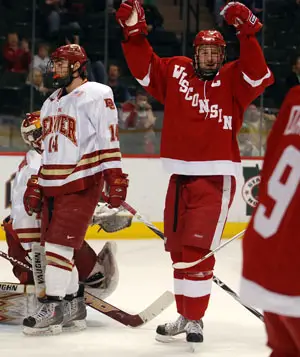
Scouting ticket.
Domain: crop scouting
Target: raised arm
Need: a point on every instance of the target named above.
(252, 74)
(149, 69)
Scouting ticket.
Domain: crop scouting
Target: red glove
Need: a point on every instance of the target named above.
(33, 196)
(117, 183)
(241, 18)
(131, 17)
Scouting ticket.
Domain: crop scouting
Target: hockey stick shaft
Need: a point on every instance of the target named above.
(159, 305)
(216, 280)
(183, 265)
(225, 287)
(142, 219)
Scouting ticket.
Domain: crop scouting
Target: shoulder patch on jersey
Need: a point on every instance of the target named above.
(109, 103)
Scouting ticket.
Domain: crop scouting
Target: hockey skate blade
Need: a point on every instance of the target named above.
(157, 307)
(46, 331)
(165, 338)
(193, 346)
(75, 326)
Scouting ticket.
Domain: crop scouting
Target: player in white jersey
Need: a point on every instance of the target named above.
(99, 273)
(80, 152)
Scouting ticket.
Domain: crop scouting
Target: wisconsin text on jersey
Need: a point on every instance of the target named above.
(203, 104)
(293, 126)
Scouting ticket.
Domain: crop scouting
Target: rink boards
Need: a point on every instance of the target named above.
(148, 185)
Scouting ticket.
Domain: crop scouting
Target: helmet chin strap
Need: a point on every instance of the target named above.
(63, 82)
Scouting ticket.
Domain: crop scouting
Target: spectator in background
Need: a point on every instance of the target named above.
(294, 78)
(259, 123)
(121, 93)
(40, 92)
(16, 55)
(154, 19)
(40, 61)
(246, 146)
(35, 79)
(138, 115)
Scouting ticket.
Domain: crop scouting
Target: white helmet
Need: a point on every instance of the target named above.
(31, 131)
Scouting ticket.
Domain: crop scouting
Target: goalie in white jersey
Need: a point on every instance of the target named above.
(80, 152)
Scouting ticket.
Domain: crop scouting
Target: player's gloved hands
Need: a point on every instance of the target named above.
(116, 189)
(33, 196)
(241, 18)
(131, 17)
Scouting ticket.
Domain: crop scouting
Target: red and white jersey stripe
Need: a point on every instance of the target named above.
(80, 138)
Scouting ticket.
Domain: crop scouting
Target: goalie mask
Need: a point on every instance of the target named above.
(31, 131)
(209, 54)
(67, 63)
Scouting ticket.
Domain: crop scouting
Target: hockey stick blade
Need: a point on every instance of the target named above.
(158, 306)
(184, 265)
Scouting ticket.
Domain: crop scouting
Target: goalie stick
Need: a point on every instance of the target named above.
(159, 305)
(216, 280)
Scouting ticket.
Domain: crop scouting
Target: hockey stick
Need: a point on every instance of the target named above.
(216, 280)
(159, 305)
(182, 265)
(142, 219)
(225, 287)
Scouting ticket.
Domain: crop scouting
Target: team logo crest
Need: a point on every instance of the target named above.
(250, 191)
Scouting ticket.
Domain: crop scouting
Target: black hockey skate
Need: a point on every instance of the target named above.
(75, 311)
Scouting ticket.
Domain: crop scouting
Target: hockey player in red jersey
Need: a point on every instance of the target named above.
(80, 151)
(204, 101)
(271, 244)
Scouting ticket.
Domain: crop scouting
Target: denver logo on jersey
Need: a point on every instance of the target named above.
(109, 103)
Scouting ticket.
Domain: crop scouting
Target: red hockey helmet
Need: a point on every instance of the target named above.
(72, 53)
(209, 53)
(31, 131)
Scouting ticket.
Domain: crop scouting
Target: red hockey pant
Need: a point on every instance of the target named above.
(283, 335)
(196, 210)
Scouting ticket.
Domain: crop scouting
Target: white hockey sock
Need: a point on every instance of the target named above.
(59, 268)
(73, 285)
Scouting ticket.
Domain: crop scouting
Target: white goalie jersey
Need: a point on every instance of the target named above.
(26, 227)
(80, 138)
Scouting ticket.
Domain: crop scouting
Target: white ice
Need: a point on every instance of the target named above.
(145, 273)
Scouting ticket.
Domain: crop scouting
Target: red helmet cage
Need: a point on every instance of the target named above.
(209, 37)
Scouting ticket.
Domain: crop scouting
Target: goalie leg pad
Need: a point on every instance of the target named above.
(107, 271)
(16, 302)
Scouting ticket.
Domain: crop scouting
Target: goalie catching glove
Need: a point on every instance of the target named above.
(33, 196)
(131, 17)
(111, 219)
(241, 18)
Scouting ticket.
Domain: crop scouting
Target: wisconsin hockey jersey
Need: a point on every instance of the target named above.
(201, 118)
(80, 138)
(271, 244)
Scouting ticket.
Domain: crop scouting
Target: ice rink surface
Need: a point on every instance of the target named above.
(145, 273)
